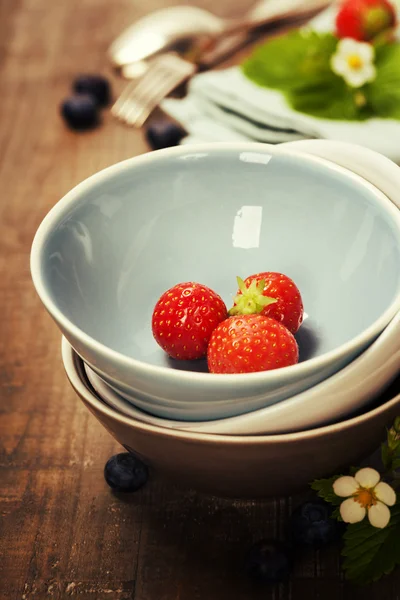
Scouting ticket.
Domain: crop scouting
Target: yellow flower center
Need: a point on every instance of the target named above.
(365, 497)
(354, 62)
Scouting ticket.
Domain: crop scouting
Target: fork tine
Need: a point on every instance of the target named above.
(160, 94)
(125, 94)
(157, 77)
(135, 89)
(138, 100)
(138, 117)
(136, 108)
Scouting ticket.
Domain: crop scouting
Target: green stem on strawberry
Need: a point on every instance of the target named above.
(377, 20)
(250, 300)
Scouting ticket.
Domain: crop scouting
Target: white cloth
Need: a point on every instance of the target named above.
(225, 106)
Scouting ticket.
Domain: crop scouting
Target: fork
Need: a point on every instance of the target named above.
(138, 100)
(168, 71)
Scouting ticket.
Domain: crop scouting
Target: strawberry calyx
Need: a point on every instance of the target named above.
(377, 20)
(250, 300)
(366, 20)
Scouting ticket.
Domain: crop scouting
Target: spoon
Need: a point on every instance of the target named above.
(189, 29)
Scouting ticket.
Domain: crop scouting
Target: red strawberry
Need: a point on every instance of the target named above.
(184, 318)
(272, 295)
(363, 20)
(250, 343)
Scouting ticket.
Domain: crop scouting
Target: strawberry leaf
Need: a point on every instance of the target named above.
(393, 436)
(324, 489)
(289, 60)
(369, 553)
(329, 99)
(336, 514)
(299, 65)
(390, 450)
(386, 457)
(384, 92)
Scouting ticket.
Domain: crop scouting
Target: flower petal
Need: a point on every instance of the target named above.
(369, 72)
(354, 79)
(366, 52)
(351, 511)
(379, 515)
(367, 478)
(339, 64)
(348, 46)
(358, 78)
(385, 493)
(345, 486)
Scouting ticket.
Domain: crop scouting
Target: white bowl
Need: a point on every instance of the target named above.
(375, 168)
(301, 412)
(241, 466)
(145, 220)
(345, 393)
(372, 372)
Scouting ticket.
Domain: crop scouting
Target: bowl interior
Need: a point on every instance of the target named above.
(126, 236)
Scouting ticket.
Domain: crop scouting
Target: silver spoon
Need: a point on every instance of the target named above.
(189, 29)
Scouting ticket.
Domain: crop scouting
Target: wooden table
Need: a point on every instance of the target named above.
(62, 533)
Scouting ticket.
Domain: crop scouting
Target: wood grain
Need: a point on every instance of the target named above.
(62, 533)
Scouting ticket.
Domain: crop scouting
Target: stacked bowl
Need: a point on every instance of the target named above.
(324, 213)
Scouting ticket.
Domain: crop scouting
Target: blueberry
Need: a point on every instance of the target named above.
(125, 473)
(311, 524)
(94, 85)
(80, 111)
(268, 561)
(163, 133)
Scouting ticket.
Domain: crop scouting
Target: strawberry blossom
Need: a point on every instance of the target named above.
(354, 61)
(365, 494)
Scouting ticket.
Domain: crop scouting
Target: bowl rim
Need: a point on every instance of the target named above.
(74, 368)
(175, 376)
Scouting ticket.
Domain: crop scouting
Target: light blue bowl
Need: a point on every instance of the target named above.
(106, 252)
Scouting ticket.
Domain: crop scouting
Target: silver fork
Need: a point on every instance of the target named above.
(138, 100)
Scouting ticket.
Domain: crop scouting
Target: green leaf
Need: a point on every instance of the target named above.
(394, 442)
(336, 514)
(390, 450)
(386, 457)
(298, 65)
(369, 553)
(330, 100)
(393, 438)
(384, 92)
(291, 60)
(324, 489)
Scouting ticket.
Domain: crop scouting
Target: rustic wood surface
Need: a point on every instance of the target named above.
(62, 533)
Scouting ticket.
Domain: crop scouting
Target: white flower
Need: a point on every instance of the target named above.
(367, 494)
(354, 61)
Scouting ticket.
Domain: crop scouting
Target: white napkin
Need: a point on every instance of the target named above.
(225, 106)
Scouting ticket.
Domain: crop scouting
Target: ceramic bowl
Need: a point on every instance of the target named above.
(336, 397)
(105, 253)
(379, 170)
(241, 466)
(344, 393)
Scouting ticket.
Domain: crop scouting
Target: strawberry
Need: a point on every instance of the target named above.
(184, 318)
(272, 295)
(363, 20)
(250, 343)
